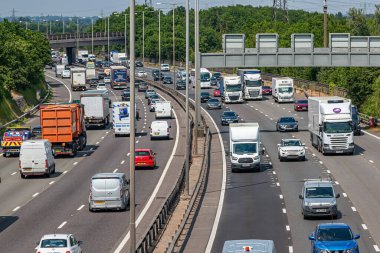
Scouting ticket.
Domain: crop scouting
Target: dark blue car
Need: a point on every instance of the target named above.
(229, 117)
(334, 237)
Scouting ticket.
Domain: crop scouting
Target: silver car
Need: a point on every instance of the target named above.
(319, 199)
(109, 191)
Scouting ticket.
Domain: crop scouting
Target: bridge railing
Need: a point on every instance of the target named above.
(71, 36)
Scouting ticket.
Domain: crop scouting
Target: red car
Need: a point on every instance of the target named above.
(145, 158)
(301, 105)
(217, 93)
(267, 90)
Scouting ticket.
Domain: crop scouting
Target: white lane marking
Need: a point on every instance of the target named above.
(353, 208)
(274, 172)
(75, 163)
(14, 210)
(14, 173)
(143, 127)
(107, 132)
(320, 162)
(371, 161)
(328, 171)
(122, 162)
(313, 154)
(266, 115)
(270, 163)
(154, 194)
(84, 155)
(64, 172)
(128, 154)
(290, 249)
(364, 227)
(256, 109)
(281, 196)
(271, 118)
(137, 141)
(115, 170)
(336, 182)
(80, 208)
(35, 195)
(63, 224)
(287, 228)
(52, 182)
(376, 248)
(283, 210)
(278, 184)
(70, 95)
(102, 137)
(96, 143)
(344, 194)
(377, 137)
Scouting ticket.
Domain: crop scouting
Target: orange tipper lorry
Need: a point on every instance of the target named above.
(13, 138)
(63, 125)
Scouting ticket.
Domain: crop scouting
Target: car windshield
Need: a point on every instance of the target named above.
(54, 243)
(337, 127)
(101, 84)
(267, 87)
(287, 120)
(334, 234)
(142, 153)
(229, 114)
(205, 94)
(256, 83)
(205, 77)
(291, 143)
(245, 148)
(285, 90)
(302, 101)
(355, 118)
(236, 87)
(213, 101)
(153, 96)
(319, 192)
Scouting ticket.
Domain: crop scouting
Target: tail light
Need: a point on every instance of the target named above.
(68, 251)
(168, 130)
(46, 164)
(19, 164)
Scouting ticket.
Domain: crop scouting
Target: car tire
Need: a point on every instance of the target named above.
(281, 159)
(22, 176)
(303, 158)
(89, 208)
(305, 217)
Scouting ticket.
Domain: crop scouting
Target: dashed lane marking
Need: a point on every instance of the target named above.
(328, 171)
(376, 248)
(14, 173)
(278, 184)
(14, 210)
(353, 208)
(137, 141)
(35, 195)
(75, 163)
(122, 162)
(64, 172)
(52, 182)
(80, 208)
(371, 161)
(287, 228)
(281, 196)
(115, 170)
(344, 194)
(336, 182)
(96, 143)
(63, 224)
(290, 249)
(364, 227)
(283, 210)
(128, 154)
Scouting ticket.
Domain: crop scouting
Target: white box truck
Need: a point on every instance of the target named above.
(232, 89)
(252, 83)
(330, 124)
(163, 109)
(245, 146)
(90, 74)
(96, 108)
(121, 118)
(282, 89)
(78, 79)
(59, 69)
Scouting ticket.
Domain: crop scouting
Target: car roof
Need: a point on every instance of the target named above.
(159, 122)
(107, 175)
(213, 99)
(317, 183)
(228, 111)
(290, 140)
(287, 117)
(333, 225)
(142, 149)
(54, 236)
(205, 92)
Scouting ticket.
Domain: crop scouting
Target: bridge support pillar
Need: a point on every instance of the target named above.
(70, 52)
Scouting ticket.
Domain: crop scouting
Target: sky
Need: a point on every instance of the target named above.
(97, 7)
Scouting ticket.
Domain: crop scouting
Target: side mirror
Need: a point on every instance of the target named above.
(337, 195)
(356, 237)
(311, 238)
(170, 126)
(262, 152)
(154, 153)
(300, 196)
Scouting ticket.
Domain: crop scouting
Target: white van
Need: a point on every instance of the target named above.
(252, 245)
(36, 158)
(66, 73)
(159, 129)
(109, 191)
(163, 109)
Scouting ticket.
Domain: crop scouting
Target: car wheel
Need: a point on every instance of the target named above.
(22, 176)
(89, 208)
(303, 158)
(281, 159)
(305, 217)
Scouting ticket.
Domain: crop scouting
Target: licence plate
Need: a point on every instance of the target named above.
(141, 163)
(27, 169)
(246, 165)
(339, 151)
(156, 133)
(320, 210)
(303, 108)
(100, 202)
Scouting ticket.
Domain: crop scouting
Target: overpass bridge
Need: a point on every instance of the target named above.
(71, 41)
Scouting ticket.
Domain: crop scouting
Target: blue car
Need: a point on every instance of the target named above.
(334, 237)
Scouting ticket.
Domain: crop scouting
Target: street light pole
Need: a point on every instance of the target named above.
(132, 225)
(92, 36)
(197, 78)
(174, 46)
(77, 36)
(108, 39)
(187, 153)
(125, 33)
(143, 43)
(325, 23)
(159, 44)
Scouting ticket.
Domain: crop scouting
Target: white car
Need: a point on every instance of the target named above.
(107, 79)
(66, 73)
(291, 149)
(101, 86)
(58, 243)
(165, 67)
(153, 104)
(159, 129)
(142, 74)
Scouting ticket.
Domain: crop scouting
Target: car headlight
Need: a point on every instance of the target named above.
(354, 249)
(333, 203)
(307, 203)
(234, 158)
(323, 250)
(256, 157)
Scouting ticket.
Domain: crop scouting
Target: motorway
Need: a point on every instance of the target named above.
(265, 205)
(36, 206)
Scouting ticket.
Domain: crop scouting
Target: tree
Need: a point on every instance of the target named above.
(357, 22)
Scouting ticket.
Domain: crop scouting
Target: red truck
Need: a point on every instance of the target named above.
(63, 125)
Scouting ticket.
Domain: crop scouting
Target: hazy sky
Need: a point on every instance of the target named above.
(95, 7)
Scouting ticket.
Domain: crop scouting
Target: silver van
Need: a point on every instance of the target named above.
(36, 158)
(251, 245)
(109, 191)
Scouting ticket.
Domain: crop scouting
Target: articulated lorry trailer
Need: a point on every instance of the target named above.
(78, 79)
(119, 77)
(330, 125)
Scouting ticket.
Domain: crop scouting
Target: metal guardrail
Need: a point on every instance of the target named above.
(71, 36)
(31, 111)
(178, 245)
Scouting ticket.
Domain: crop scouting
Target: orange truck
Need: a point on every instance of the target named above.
(63, 125)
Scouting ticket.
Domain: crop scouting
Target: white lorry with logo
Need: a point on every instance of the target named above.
(282, 89)
(245, 146)
(252, 83)
(121, 118)
(232, 89)
(330, 125)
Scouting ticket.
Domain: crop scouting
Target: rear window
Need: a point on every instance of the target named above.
(54, 243)
(142, 153)
(32, 151)
(159, 124)
(100, 183)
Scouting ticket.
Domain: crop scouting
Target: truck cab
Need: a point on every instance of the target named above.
(232, 89)
(252, 83)
(282, 89)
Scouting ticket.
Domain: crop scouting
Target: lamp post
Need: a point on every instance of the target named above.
(108, 39)
(187, 159)
(125, 33)
(197, 77)
(92, 36)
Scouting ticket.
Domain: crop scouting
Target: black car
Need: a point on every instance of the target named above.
(37, 132)
(139, 64)
(214, 81)
(205, 96)
(126, 95)
(157, 76)
(98, 64)
(214, 103)
(287, 124)
(167, 80)
(101, 75)
(217, 75)
(229, 117)
(93, 83)
(180, 85)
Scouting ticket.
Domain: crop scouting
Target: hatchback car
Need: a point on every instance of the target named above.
(149, 92)
(217, 75)
(151, 97)
(143, 86)
(217, 93)
(319, 199)
(287, 124)
(214, 81)
(139, 64)
(142, 74)
(214, 103)
(59, 243)
(101, 86)
(205, 96)
(301, 105)
(159, 129)
(126, 95)
(167, 80)
(229, 117)
(334, 237)
(291, 149)
(180, 85)
(165, 67)
(153, 104)
(145, 158)
(93, 83)
(267, 90)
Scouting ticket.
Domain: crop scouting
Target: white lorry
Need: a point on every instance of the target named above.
(245, 146)
(59, 69)
(330, 125)
(119, 58)
(252, 83)
(232, 89)
(121, 118)
(96, 108)
(282, 89)
(78, 79)
(90, 74)
(163, 109)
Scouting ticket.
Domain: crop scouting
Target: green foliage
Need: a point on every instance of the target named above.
(372, 104)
